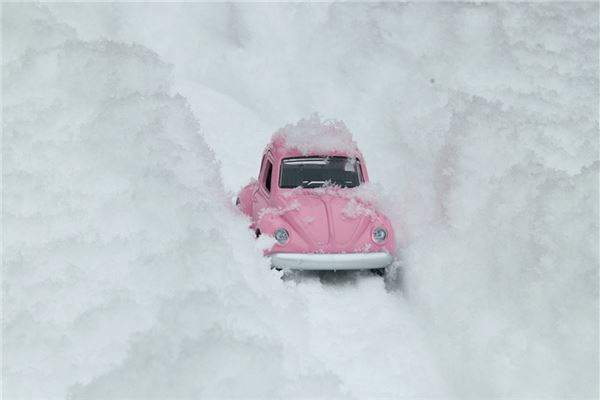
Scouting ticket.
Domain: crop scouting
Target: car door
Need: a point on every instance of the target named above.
(263, 193)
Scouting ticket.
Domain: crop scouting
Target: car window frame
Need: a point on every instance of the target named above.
(361, 177)
(267, 159)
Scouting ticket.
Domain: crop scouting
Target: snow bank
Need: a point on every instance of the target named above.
(125, 272)
(504, 268)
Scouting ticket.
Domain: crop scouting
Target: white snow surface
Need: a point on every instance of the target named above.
(127, 128)
(314, 136)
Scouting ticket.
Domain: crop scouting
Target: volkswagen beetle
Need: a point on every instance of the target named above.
(308, 197)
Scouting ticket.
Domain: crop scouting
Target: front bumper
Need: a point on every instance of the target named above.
(330, 261)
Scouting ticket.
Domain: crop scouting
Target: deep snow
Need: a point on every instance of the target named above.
(127, 128)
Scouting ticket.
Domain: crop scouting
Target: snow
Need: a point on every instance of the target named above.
(356, 208)
(311, 136)
(127, 128)
(277, 211)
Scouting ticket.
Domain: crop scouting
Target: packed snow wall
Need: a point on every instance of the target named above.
(478, 121)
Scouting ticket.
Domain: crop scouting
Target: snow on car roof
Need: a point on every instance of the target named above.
(312, 136)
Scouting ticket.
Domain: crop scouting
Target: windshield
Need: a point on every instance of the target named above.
(314, 172)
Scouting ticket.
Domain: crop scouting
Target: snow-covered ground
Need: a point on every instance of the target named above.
(127, 129)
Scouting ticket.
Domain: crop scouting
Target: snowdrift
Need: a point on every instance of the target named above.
(125, 273)
(478, 121)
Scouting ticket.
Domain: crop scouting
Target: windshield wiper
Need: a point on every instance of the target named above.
(313, 183)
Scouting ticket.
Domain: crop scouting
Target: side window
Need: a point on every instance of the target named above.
(360, 174)
(269, 174)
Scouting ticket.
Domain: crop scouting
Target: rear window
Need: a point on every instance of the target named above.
(314, 172)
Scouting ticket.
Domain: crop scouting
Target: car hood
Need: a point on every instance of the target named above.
(329, 221)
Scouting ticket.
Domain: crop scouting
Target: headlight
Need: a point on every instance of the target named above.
(281, 235)
(379, 235)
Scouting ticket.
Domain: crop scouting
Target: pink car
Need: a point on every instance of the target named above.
(310, 196)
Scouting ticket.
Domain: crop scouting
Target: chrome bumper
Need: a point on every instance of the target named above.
(331, 261)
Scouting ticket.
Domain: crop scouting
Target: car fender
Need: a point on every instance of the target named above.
(244, 199)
